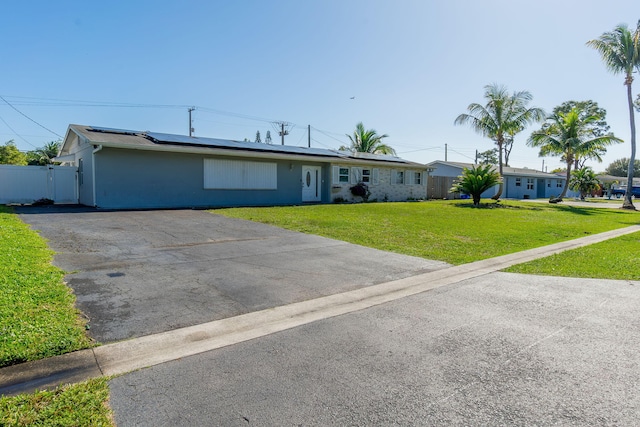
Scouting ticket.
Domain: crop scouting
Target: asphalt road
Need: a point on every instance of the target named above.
(503, 349)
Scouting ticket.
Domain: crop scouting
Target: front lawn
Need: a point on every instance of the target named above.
(617, 258)
(451, 231)
(37, 314)
(76, 405)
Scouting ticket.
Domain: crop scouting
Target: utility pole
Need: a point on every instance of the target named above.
(282, 128)
(309, 136)
(191, 129)
(282, 132)
(542, 165)
(476, 157)
(445, 152)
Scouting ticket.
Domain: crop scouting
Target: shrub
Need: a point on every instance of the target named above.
(361, 190)
(476, 181)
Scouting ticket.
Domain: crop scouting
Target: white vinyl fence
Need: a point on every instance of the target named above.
(26, 184)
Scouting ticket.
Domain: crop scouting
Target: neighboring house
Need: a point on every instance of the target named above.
(121, 169)
(518, 183)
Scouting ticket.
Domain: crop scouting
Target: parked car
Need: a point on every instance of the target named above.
(619, 191)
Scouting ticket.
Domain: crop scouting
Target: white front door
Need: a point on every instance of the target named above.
(311, 183)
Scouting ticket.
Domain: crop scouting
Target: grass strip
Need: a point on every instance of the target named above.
(614, 259)
(76, 405)
(450, 231)
(37, 314)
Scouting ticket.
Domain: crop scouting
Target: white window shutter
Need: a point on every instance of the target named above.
(336, 174)
(375, 176)
(355, 175)
(410, 178)
(393, 177)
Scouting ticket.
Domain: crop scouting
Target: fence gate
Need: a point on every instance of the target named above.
(438, 187)
(25, 184)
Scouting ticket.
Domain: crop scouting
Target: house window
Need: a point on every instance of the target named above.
(558, 183)
(366, 176)
(343, 175)
(549, 183)
(399, 177)
(417, 178)
(518, 182)
(529, 183)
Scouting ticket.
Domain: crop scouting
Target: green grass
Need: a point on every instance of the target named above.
(37, 314)
(613, 259)
(77, 405)
(451, 231)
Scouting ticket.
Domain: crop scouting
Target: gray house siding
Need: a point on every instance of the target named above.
(148, 179)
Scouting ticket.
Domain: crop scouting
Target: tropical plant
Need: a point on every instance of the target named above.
(476, 180)
(620, 167)
(501, 118)
(44, 155)
(584, 181)
(368, 141)
(620, 51)
(569, 135)
(10, 155)
(361, 190)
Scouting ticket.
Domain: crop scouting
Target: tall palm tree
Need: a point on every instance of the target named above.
(502, 117)
(368, 141)
(569, 135)
(620, 51)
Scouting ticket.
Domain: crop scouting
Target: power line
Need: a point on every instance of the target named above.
(16, 133)
(23, 114)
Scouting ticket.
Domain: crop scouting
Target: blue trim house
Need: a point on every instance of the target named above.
(122, 169)
(518, 183)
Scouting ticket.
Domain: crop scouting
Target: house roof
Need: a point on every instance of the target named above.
(155, 141)
(507, 171)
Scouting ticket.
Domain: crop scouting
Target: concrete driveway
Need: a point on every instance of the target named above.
(138, 273)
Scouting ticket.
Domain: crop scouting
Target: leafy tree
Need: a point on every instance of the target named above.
(476, 180)
(44, 155)
(368, 141)
(501, 118)
(620, 167)
(569, 135)
(584, 180)
(489, 157)
(620, 51)
(10, 155)
(599, 126)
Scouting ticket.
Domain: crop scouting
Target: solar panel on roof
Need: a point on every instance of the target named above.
(111, 130)
(162, 138)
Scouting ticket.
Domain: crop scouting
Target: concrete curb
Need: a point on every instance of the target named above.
(126, 356)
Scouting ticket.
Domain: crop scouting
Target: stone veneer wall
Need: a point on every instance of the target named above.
(384, 191)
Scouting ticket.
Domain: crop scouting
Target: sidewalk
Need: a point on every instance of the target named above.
(126, 356)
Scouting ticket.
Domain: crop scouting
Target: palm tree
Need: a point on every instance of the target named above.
(620, 51)
(368, 141)
(569, 135)
(44, 155)
(501, 118)
(584, 180)
(476, 181)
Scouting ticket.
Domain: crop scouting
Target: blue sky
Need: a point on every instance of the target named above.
(412, 66)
